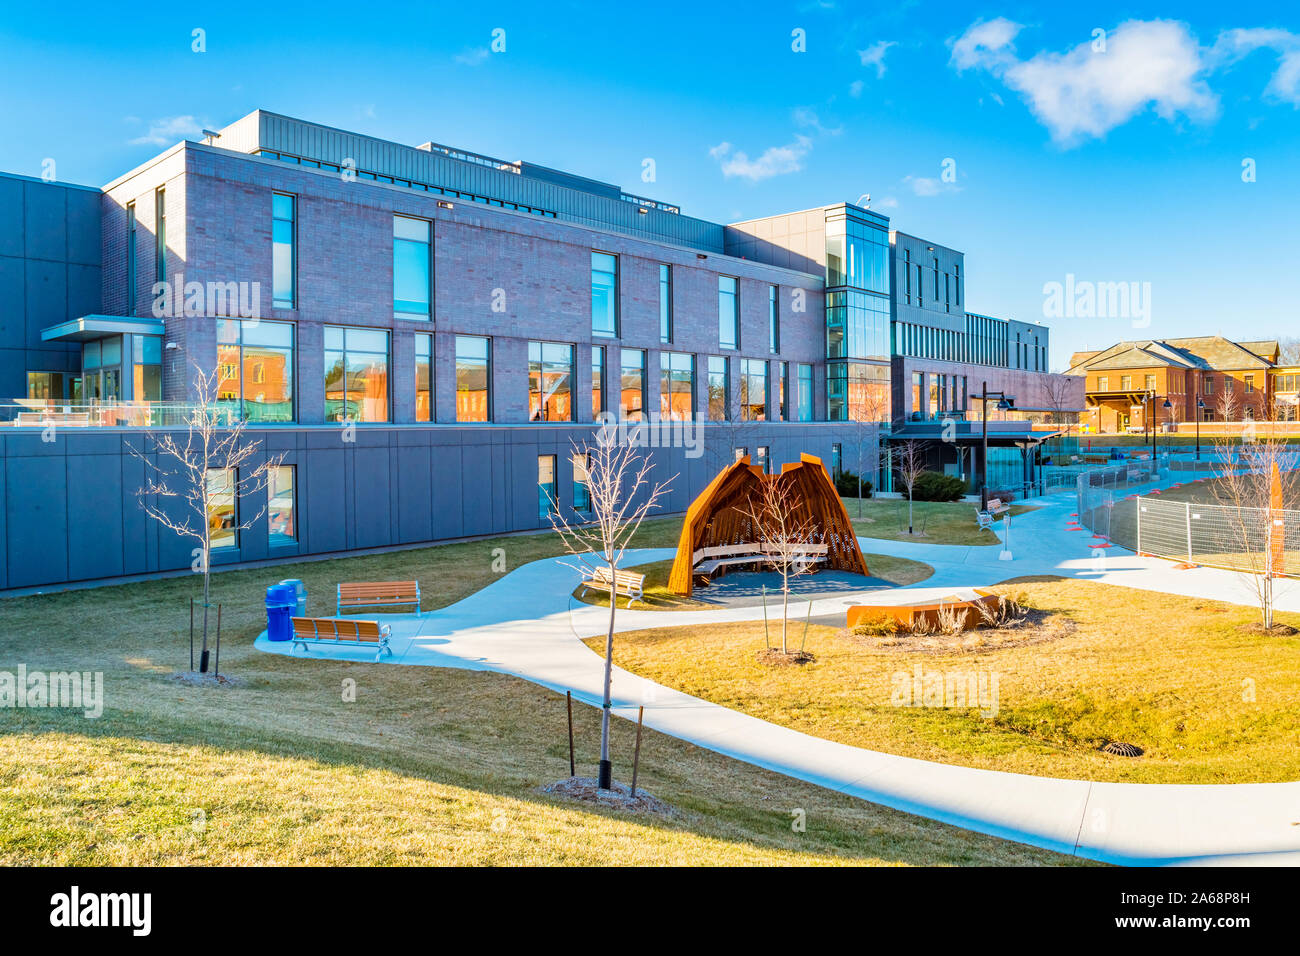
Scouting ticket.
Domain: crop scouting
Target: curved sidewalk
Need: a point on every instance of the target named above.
(526, 624)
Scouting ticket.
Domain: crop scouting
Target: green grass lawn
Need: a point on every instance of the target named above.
(426, 766)
(933, 522)
(657, 597)
(1208, 701)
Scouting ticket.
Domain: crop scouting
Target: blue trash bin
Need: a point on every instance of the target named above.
(281, 605)
(300, 594)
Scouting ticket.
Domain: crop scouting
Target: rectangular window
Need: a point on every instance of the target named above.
(255, 369)
(547, 489)
(773, 321)
(473, 379)
(284, 268)
(604, 294)
(423, 377)
(130, 258)
(719, 395)
(918, 392)
(1250, 384)
(781, 389)
(763, 459)
(1103, 383)
(160, 236)
(281, 506)
(632, 398)
(411, 288)
(676, 386)
(1151, 383)
(1209, 385)
(223, 523)
(1227, 384)
(805, 404)
(837, 456)
(665, 304)
(146, 369)
(581, 479)
(728, 312)
(597, 380)
(45, 385)
(550, 382)
(356, 374)
(1125, 382)
(753, 390)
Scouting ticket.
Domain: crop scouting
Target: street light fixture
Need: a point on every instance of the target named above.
(1200, 408)
(1005, 403)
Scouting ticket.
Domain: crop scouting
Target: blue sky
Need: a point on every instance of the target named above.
(1120, 163)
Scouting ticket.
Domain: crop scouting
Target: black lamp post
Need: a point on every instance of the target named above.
(1200, 406)
(1005, 402)
(1155, 426)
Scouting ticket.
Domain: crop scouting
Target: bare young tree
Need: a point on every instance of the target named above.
(1059, 398)
(910, 462)
(868, 413)
(1254, 477)
(622, 492)
(784, 537)
(1227, 403)
(213, 465)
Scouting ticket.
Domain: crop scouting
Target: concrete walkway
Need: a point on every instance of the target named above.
(526, 624)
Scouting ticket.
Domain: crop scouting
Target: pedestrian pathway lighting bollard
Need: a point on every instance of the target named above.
(1005, 555)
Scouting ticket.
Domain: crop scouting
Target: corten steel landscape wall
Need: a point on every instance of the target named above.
(49, 272)
(71, 514)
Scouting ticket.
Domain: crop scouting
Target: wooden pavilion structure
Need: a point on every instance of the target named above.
(716, 517)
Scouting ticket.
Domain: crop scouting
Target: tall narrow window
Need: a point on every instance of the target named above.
(763, 458)
(665, 304)
(130, 258)
(728, 312)
(676, 386)
(473, 379)
(604, 294)
(719, 397)
(773, 321)
(223, 521)
(356, 374)
(781, 389)
(581, 482)
(411, 268)
(597, 380)
(837, 459)
(423, 377)
(753, 390)
(547, 488)
(283, 266)
(255, 369)
(805, 393)
(550, 380)
(281, 507)
(632, 395)
(160, 236)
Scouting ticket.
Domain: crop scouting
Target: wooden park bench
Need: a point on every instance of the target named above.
(804, 555)
(996, 507)
(357, 594)
(626, 583)
(706, 562)
(330, 630)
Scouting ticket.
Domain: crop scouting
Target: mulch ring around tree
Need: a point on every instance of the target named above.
(776, 657)
(620, 797)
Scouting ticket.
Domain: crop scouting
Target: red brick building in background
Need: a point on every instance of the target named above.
(1128, 384)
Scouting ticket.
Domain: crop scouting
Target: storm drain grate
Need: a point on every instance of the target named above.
(1121, 749)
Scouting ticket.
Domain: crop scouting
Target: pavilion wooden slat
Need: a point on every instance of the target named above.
(715, 519)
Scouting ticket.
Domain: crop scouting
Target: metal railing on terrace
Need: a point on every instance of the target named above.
(40, 413)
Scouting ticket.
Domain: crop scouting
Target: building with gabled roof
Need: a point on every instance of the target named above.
(1135, 384)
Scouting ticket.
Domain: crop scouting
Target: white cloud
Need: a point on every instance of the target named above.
(928, 185)
(1233, 45)
(874, 55)
(169, 130)
(855, 88)
(807, 118)
(889, 202)
(774, 161)
(985, 45)
(1085, 93)
(473, 57)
